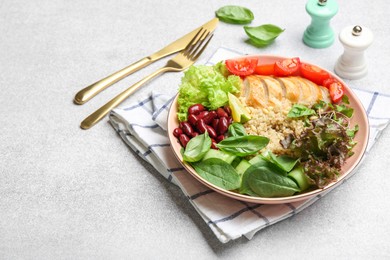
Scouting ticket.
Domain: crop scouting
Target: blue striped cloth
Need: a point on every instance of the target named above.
(142, 126)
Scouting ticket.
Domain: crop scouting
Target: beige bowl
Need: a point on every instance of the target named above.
(361, 138)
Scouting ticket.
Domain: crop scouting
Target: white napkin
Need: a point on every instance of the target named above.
(143, 127)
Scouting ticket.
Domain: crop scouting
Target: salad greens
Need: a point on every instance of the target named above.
(234, 14)
(299, 110)
(325, 144)
(206, 85)
(219, 173)
(264, 175)
(263, 35)
(197, 147)
(267, 183)
(236, 129)
(243, 145)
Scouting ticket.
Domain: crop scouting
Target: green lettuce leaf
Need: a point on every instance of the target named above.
(206, 85)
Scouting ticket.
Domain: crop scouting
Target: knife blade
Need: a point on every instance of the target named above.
(92, 90)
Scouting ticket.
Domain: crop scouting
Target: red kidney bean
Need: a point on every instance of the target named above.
(214, 144)
(221, 112)
(202, 114)
(194, 134)
(211, 131)
(187, 128)
(201, 126)
(230, 120)
(214, 124)
(184, 139)
(208, 119)
(192, 119)
(196, 109)
(227, 110)
(220, 138)
(222, 125)
(177, 132)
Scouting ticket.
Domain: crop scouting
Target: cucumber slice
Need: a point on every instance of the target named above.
(242, 166)
(299, 177)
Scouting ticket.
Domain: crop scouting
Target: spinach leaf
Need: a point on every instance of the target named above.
(284, 162)
(266, 183)
(243, 145)
(245, 188)
(219, 173)
(197, 147)
(263, 35)
(234, 14)
(300, 110)
(236, 129)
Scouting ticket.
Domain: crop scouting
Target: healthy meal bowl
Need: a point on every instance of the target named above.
(267, 129)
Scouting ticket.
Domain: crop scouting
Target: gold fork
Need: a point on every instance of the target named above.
(178, 63)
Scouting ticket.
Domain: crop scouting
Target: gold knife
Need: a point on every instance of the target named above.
(92, 90)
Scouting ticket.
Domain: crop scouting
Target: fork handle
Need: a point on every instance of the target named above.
(95, 117)
(92, 90)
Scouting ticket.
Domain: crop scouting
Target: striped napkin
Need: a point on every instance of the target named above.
(143, 126)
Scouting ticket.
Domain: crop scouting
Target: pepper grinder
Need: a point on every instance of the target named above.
(352, 63)
(319, 34)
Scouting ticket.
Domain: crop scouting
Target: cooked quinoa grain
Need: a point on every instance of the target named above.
(273, 123)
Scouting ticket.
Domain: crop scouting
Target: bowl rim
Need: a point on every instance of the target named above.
(363, 130)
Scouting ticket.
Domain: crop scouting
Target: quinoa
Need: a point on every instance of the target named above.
(273, 123)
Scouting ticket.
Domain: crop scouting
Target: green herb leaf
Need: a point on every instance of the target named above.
(243, 145)
(236, 129)
(345, 99)
(348, 111)
(234, 14)
(266, 183)
(197, 147)
(263, 35)
(351, 132)
(299, 111)
(219, 173)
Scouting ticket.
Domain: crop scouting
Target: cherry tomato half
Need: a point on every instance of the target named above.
(336, 89)
(265, 69)
(287, 67)
(241, 67)
(314, 73)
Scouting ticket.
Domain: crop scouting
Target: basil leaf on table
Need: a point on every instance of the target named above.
(267, 183)
(219, 173)
(236, 129)
(243, 145)
(197, 147)
(263, 35)
(234, 14)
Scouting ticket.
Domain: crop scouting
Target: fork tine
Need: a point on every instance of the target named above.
(193, 41)
(199, 49)
(187, 51)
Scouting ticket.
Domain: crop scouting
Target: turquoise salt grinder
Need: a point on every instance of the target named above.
(319, 34)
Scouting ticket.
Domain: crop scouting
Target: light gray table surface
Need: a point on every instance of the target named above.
(66, 193)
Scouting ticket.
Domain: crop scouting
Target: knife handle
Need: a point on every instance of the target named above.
(92, 90)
